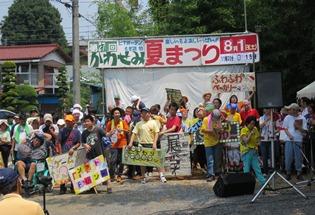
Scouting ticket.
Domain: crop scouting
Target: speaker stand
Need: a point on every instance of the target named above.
(273, 175)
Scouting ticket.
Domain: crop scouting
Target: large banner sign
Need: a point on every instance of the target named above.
(174, 51)
(233, 82)
(177, 157)
(143, 156)
(89, 174)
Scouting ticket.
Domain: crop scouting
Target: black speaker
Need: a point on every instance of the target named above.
(269, 89)
(234, 184)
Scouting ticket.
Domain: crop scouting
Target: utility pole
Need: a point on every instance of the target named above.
(76, 52)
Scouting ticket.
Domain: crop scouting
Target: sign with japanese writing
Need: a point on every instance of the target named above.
(60, 165)
(233, 82)
(230, 133)
(174, 95)
(177, 156)
(141, 156)
(174, 51)
(89, 174)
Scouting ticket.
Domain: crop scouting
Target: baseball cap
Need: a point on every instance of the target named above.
(145, 109)
(69, 118)
(7, 176)
(4, 121)
(116, 97)
(48, 117)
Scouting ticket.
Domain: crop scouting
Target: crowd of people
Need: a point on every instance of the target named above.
(33, 138)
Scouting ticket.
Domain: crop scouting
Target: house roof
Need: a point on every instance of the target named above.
(30, 52)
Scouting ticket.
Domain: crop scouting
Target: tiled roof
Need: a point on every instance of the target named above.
(25, 52)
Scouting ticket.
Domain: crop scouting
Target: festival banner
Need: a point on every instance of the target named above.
(230, 133)
(233, 82)
(60, 165)
(175, 95)
(89, 174)
(1, 161)
(177, 156)
(140, 156)
(174, 51)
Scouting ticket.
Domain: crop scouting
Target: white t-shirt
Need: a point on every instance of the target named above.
(288, 123)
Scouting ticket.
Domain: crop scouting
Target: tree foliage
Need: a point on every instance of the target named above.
(8, 98)
(27, 98)
(63, 88)
(33, 22)
(287, 41)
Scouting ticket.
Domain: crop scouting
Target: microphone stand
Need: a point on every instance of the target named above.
(275, 172)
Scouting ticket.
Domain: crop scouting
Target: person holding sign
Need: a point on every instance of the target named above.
(118, 130)
(147, 133)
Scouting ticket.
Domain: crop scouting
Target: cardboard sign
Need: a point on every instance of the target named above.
(177, 154)
(141, 156)
(175, 95)
(230, 133)
(89, 174)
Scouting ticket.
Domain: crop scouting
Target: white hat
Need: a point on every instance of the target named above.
(75, 111)
(78, 106)
(293, 106)
(134, 98)
(4, 121)
(61, 122)
(48, 117)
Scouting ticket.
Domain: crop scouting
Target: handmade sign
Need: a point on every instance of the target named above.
(60, 165)
(175, 95)
(233, 82)
(1, 161)
(177, 154)
(141, 156)
(230, 133)
(89, 174)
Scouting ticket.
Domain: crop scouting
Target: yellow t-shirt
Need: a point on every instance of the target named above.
(234, 118)
(253, 141)
(145, 131)
(209, 139)
(14, 204)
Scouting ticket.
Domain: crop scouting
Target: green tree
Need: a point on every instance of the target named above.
(27, 98)
(114, 20)
(63, 88)
(9, 94)
(32, 22)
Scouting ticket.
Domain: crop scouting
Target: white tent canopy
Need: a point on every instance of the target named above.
(308, 91)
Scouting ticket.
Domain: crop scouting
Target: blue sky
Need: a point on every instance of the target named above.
(87, 8)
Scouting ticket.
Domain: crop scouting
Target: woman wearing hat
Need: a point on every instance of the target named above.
(5, 141)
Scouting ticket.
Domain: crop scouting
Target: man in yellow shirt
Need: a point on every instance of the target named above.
(249, 145)
(210, 129)
(12, 203)
(147, 132)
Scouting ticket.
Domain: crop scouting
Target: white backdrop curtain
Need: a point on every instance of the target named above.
(150, 84)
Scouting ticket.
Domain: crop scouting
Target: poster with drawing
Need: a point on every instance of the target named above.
(174, 95)
(89, 174)
(177, 154)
